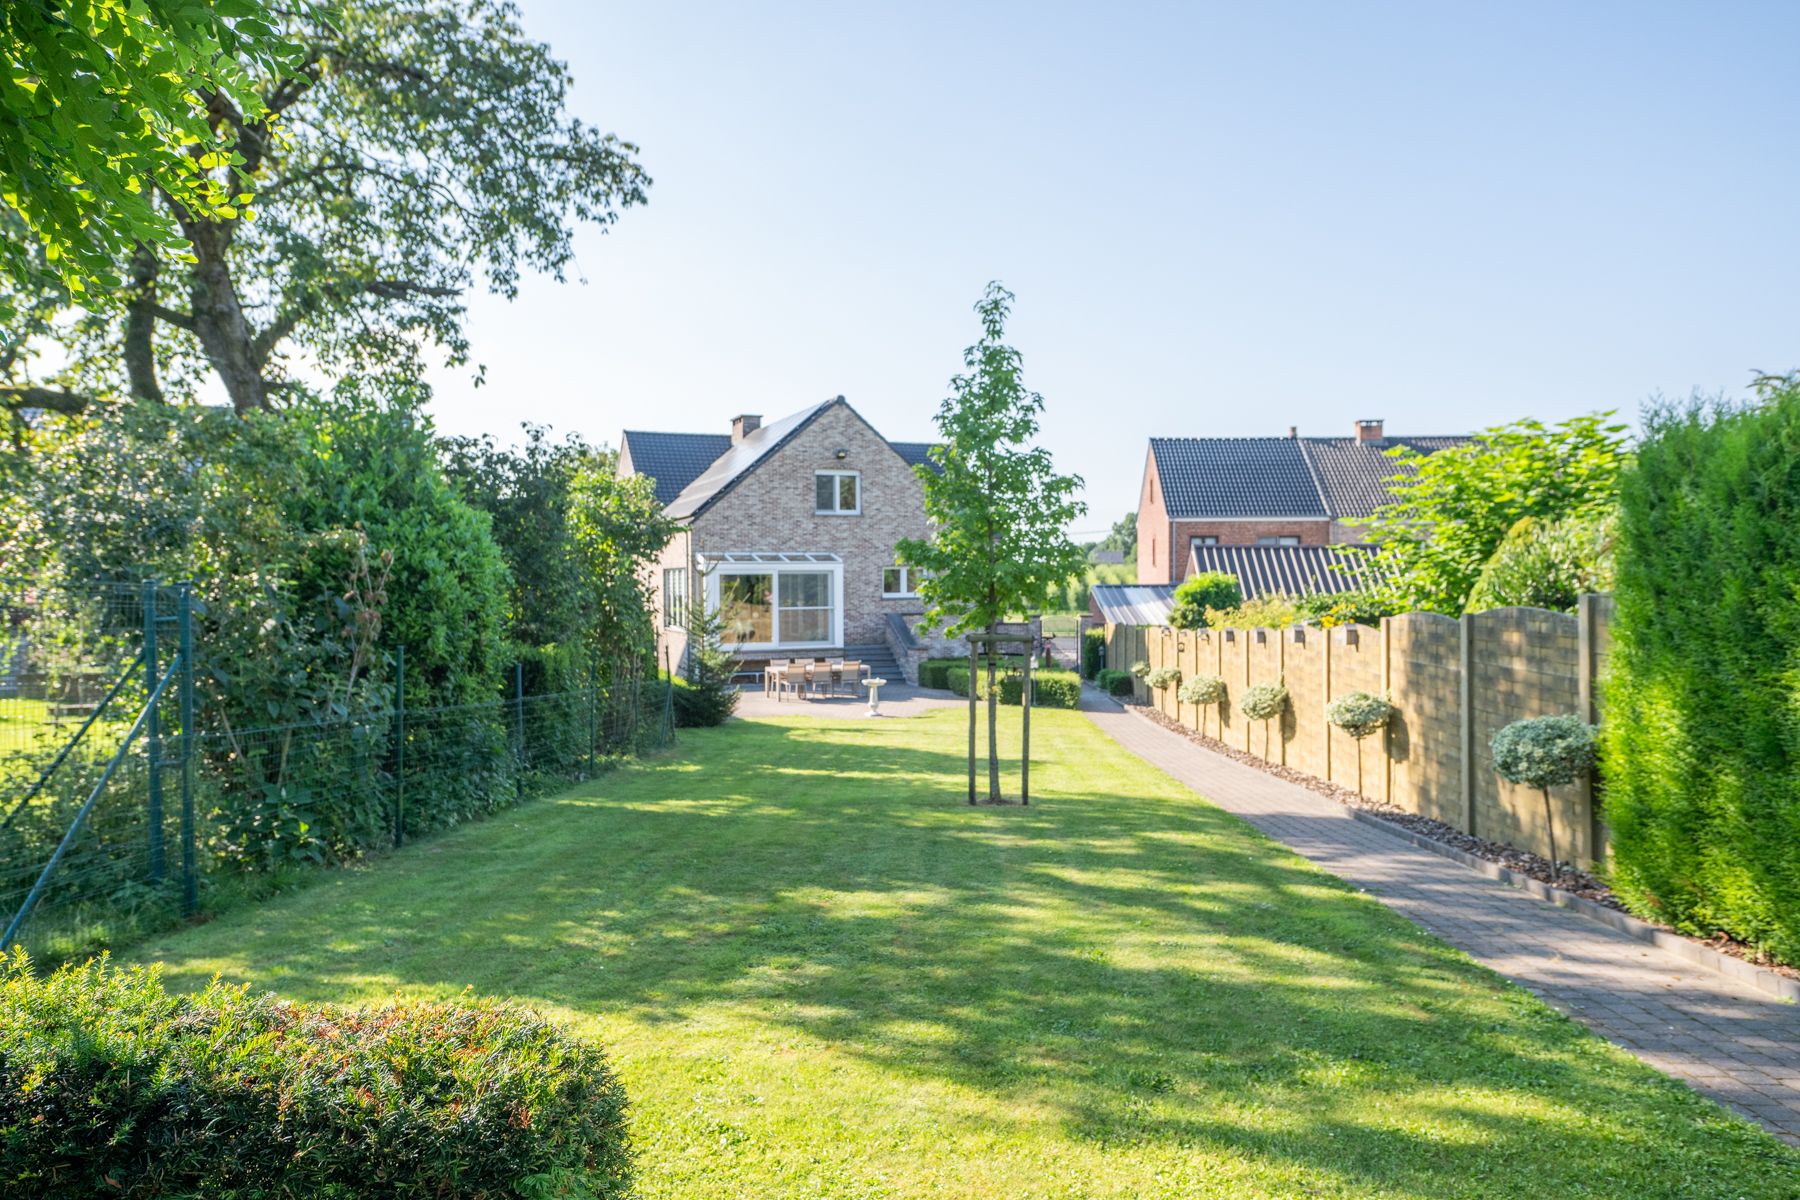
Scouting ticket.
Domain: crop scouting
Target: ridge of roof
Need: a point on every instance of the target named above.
(742, 458)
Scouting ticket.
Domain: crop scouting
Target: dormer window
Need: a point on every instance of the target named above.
(837, 493)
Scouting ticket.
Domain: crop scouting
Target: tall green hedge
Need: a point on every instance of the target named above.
(1701, 739)
(110, 1086)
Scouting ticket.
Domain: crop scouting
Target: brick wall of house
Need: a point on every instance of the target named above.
(671, 643)
(1152, 528)
(772, 509)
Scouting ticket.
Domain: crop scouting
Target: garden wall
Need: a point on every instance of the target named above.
(1454, 683)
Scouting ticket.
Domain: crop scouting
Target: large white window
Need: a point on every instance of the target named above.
(837, 492)
(778, 601)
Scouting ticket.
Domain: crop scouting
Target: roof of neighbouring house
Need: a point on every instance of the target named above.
(1315, 478)
(693, 470)
(673, 460)
(1286, 570)
(1134, 603)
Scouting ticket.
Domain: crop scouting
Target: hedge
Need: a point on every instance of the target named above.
(1700, 748)
(1093, 652)
(111, 1086)
(932, 671)
(1054, 689)
(1114, 683)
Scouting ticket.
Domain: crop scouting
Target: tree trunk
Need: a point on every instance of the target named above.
(1550, 827)
(993, 701)
(219, 320)
(140, 328)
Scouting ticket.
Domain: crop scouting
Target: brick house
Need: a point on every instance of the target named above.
(788, 528)
(1202, 493)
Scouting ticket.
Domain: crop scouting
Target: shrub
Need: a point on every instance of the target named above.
(1203, 689)
(1359, 713)
(114, 1087)
(1546, 563)
(1141, 669)
(1201, 591)
(1699, 748)
(1164, 677)
(1050, 689)
(933, 671)
(1112, 682)
(1263, 701)
(1544, 752)
(1093, 652)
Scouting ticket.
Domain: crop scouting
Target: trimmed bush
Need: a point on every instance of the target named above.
(1359, 713)
(1164, 677)
(1263, 701)
(1544, 752)
(1141, 669)
(1113, 683)
(1203, 689)
(1093, 652)
(1700, 746)
(110, 1086)
(1050, 689)
(933, 672)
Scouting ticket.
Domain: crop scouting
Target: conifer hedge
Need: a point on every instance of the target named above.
(1701, 724)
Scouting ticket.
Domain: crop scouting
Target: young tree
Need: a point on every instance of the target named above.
(1451, 512)
(998, 509)
(419, 145)
(617, 528)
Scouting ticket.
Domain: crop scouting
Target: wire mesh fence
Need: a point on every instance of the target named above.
(119, 815)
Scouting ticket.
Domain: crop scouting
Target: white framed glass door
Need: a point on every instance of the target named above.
(777, 601)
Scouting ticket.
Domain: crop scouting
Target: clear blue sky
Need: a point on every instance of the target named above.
(1219, 219)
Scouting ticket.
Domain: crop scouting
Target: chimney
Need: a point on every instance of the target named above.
(1294, 432)
(1368, 431)
(743, 426)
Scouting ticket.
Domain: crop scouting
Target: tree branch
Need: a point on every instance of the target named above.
(15, 397)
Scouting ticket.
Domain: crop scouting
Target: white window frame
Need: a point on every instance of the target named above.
(837, 512)
(776, 564)
(1279, 539)
(675, 601)
(909, 585)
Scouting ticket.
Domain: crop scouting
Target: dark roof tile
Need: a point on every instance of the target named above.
(1287, 570)
(1235, 477)
(673, 460)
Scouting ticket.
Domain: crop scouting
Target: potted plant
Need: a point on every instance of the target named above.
(1545, 752)
(1359, 714)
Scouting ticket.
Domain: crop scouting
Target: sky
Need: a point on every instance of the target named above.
(1219, 219)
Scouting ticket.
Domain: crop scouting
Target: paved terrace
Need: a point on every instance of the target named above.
(1736, 1044)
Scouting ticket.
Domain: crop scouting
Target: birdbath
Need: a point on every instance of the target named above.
(874, 686)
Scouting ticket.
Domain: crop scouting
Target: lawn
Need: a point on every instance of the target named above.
(822, 975)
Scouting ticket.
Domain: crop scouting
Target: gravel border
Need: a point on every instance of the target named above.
(1576, 890)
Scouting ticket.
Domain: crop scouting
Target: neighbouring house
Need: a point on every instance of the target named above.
(789, 530)
(1204, 500)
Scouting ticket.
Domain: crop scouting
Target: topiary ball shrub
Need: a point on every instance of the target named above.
(1141, 669)
(1544, 752)
(1263, 701)
(1359, 713)
(1113, 683)
(1203, 689)
(1164, 677)
(110, 1086)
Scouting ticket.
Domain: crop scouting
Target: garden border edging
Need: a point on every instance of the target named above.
(1700, 955)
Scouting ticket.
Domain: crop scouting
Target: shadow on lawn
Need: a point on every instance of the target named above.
(1134, 962)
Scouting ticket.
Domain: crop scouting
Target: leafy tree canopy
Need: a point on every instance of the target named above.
(998, 508)
(1452, 511)
(110, 106)
(1203, 591)
(617, 526)
(418, 146)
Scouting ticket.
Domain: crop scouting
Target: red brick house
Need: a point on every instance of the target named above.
(1271, 492)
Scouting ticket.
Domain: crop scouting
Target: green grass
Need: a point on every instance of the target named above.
(822, 975)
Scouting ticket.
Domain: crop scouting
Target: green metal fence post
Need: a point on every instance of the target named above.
(399, 746)
(519, 727)
(593, 712)
(190, 879)
(153, 734)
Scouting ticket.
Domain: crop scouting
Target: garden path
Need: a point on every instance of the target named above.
(1724, 1038)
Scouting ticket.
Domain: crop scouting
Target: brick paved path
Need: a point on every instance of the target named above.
(1737, 1045)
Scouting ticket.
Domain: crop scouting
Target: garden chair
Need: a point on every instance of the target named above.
(850, 673)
